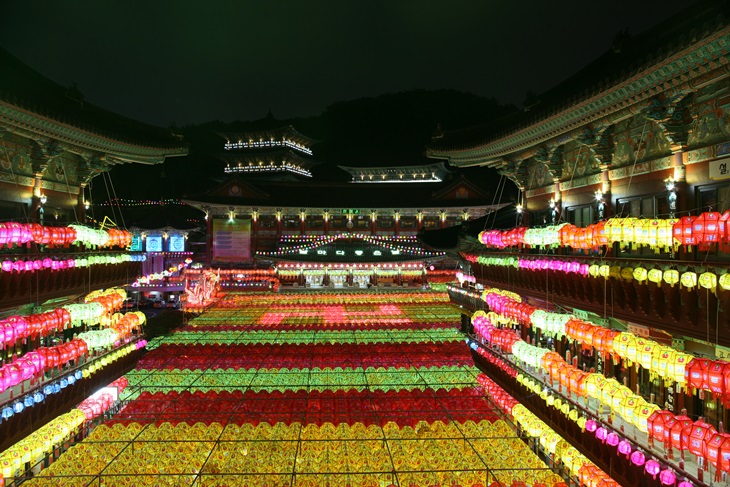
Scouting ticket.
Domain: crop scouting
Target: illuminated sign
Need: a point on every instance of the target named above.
(177, 243)
(136, 244)
(154, 244)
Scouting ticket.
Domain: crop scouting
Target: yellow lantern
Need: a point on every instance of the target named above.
(641, 232)
(708, 280)
(671, 277)
(640, 274)
(655, 276)
(593, 384)
(689, 279)
(665, 234)
(725, 281)
(627, 232)
(609, 390)
(645, 355)
(573, 415)
(666, 362)
(593, 272)
(615, 271)
(604, 270)
(642, 411)
(680, 364)
(627, 273)
(626, 408)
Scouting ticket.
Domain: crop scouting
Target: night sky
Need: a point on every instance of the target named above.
(193, 61)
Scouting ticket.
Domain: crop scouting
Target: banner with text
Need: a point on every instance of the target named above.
(231, 240)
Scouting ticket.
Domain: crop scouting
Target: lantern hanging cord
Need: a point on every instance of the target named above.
(636, 159)
(500, 184)
(109, 197)
(119, 205)
(68, 189)
(570, 183)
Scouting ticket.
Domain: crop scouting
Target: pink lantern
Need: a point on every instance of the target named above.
(638, 458)
(624, 448)
(601, 433)
(652, 467)
(667, 477)
(612, 439)
(684, 483)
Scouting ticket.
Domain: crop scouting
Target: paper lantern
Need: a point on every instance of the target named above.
(700, 433)
(624, 448)
(671, 277)
(684, 231)
(638, 458)
(652, 467)
(667, 477)
(697, 373)
(718, 451)
(601, 433)
(706, 228)
(655, 276)
(591, 425)
(717, 373)
(612, 439)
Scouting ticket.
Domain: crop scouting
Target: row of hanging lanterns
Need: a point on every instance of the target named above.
(42, 442)
(704, 230)
(690, 279)
(16, 328)
(14, 234)
(650, 416)
(61, 264)
(578, 465)
(660, 360)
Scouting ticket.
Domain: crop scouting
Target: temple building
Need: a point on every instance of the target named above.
(263, 201)
(58, 264)
(624, 183)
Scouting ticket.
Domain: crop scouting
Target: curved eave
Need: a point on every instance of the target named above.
(74, 139)
(700, 65)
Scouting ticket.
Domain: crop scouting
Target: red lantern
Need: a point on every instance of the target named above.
(699, 434)
(716, 376)
(718, 451)
(696, 373)
(684, 231)
(657, 423)
(706, 228)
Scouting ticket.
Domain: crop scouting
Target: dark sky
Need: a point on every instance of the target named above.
(185, 61)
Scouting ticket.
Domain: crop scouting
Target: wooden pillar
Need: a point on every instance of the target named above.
(209, 238)
(254, 232)
(81, 204)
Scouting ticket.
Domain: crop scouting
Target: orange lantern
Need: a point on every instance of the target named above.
(600, 238)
